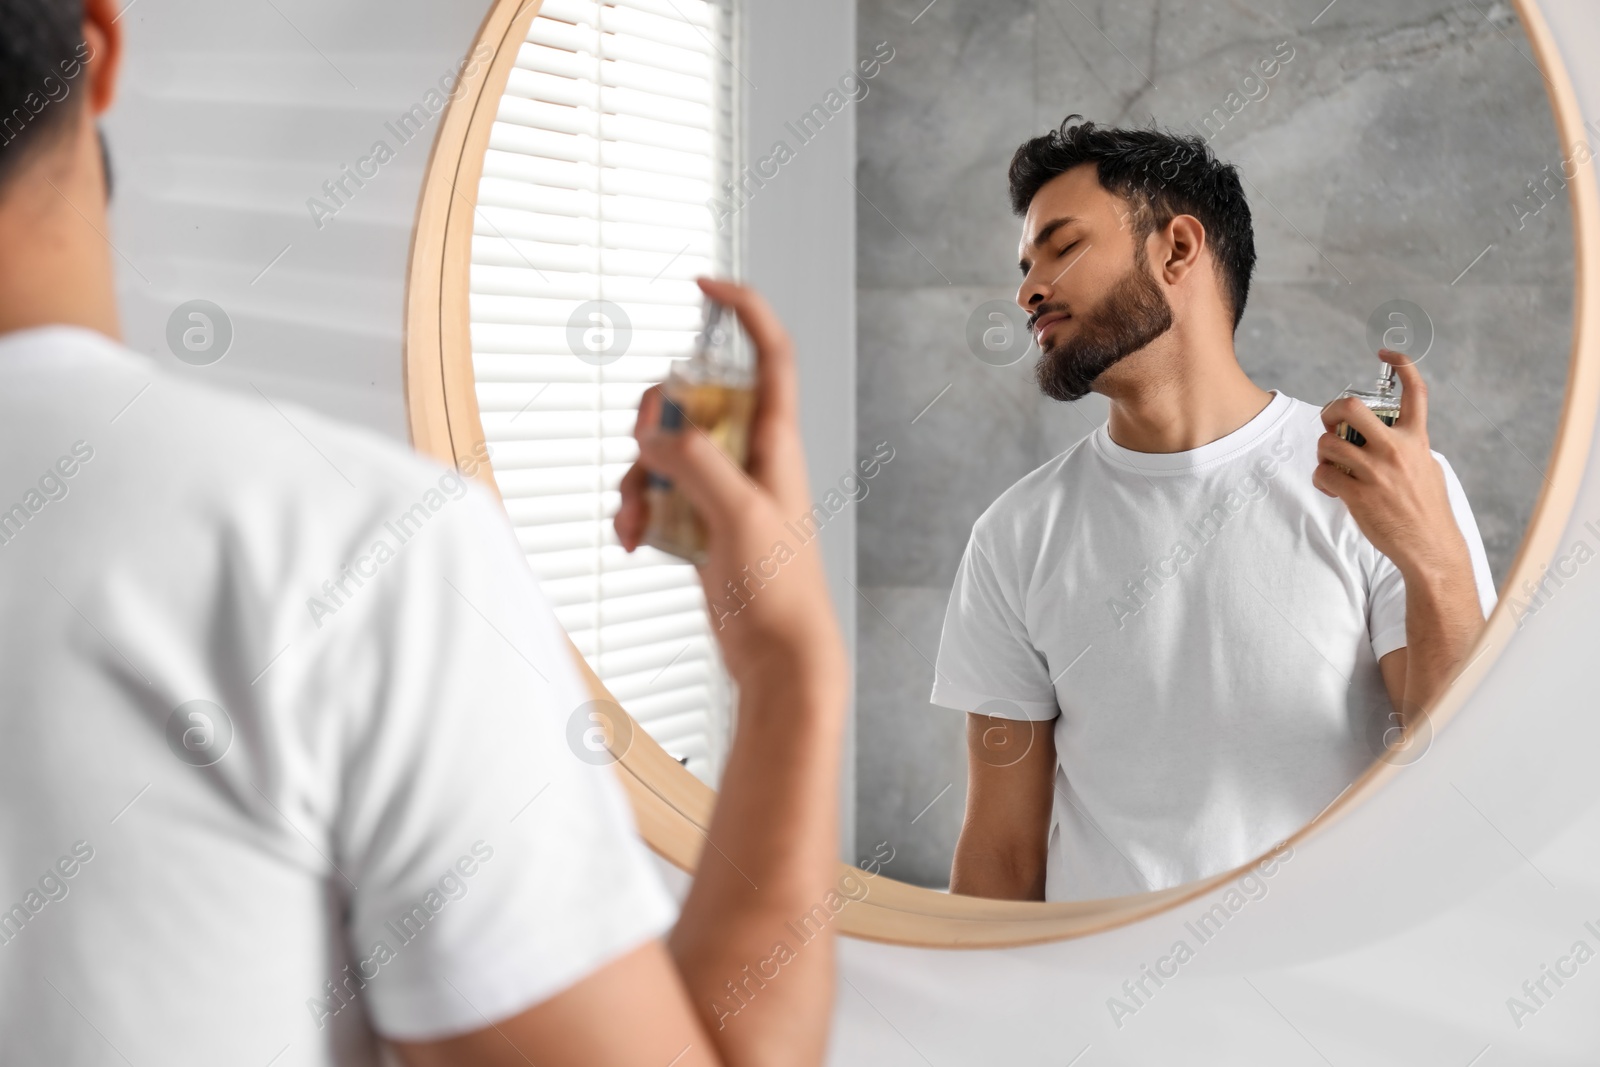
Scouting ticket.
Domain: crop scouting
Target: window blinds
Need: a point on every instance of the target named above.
(616, 129)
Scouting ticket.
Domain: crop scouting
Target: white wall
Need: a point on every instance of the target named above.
(231, 117)
(800, 249)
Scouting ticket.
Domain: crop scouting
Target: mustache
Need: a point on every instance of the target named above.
(1041, 311)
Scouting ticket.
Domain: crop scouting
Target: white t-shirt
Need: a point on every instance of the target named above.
(1209, 626)
(396, 789)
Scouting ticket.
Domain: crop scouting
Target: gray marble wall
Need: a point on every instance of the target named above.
(1383, 162)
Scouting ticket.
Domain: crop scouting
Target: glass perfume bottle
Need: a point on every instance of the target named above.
(711, 392)
(1383, 400)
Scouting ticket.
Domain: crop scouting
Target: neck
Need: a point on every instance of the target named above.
(1180, 393)
(55, 253)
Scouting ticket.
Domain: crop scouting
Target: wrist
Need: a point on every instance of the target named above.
(816, 671)
(1436, 564)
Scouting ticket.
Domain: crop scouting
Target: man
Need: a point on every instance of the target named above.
(235, 831)
(1181, 639)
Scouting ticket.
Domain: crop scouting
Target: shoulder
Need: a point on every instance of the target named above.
(1033, 500)
(242, 475)
(1295, 437)
(242, 448)
(316, 447)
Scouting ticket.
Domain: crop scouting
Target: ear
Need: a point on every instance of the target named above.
(103, 59)
(1182, 241)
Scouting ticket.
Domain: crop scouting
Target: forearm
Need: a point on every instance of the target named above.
(1443, 621)
(772, 856)
(1005, 870)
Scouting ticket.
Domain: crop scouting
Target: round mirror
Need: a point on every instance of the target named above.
(1089, 551)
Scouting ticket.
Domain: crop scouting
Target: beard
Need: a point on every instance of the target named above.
(1131, 316)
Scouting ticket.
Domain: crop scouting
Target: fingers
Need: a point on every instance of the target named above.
(715, 485)
(1413, 390)
(650, 401)
(1341, 410)
(1331, 481)
(776, 387)
(776, 460)
(1332, 448)
(1360, 417)
(634, 512)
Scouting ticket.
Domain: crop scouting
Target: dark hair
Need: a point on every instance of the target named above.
(1162, 175)
(41, 58)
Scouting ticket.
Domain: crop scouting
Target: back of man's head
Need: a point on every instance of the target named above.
(42, 52)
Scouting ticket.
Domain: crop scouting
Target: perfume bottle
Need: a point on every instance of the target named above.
(1383, 400)
(711, 392)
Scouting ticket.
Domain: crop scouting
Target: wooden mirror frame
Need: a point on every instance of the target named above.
(672, 807)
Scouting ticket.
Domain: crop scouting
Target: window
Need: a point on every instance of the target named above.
(616, 129)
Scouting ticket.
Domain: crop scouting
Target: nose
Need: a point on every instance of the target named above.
(1033, 291)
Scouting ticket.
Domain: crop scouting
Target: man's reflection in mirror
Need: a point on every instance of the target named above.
(1181, 639)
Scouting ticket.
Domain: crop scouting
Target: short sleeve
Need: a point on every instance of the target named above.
(488, 851)
(1386, 616)
(986, 662)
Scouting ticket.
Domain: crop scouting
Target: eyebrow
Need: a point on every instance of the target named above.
(1045, 233)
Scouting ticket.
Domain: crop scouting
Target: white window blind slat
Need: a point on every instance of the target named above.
(590, 147)
(588, 563)
(648, 662)
(614, 584)
(526, 455)
(644, 607)
(619, 100)
(554, 481)
(608, 640)
(569, 425)
(497, 399)
(683, 673)
(532, 321)
(582, 174)
(700, 13)
(558, 48)
(498, 370)
(662, 705)
(522, 197)
(663, 325)
(542, 257)
(589, 78)
(676, 237)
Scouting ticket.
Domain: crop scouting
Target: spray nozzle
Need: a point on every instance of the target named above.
(711, 328)
(1386, 381)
